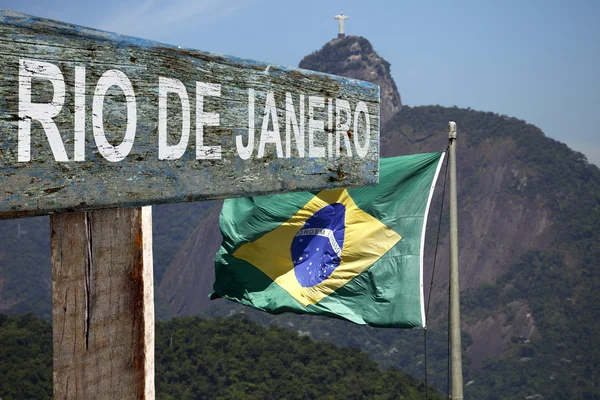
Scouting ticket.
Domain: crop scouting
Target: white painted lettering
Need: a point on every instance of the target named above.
(314, 126)
(342, 128)
(110, 78)
(79, 124)
(245, 152)
(361, 108)
(209, 119)
(41, 112)
(267, 136)
(166, 86)
(292, 123)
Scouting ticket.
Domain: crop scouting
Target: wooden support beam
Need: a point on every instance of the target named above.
(102, 304)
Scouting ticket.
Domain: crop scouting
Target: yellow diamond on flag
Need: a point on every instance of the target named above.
(322, 247)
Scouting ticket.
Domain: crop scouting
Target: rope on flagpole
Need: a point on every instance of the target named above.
(437, 241)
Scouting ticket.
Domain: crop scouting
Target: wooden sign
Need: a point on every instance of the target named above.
(92, 120)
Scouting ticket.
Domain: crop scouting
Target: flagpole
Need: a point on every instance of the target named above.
(455, 340)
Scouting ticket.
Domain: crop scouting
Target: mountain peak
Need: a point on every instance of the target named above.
(354, 57)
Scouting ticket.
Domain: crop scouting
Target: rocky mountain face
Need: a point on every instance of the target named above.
(498, 220)
(188, 280)
(354, 57)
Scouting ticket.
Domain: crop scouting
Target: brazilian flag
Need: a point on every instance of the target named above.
(355, 254)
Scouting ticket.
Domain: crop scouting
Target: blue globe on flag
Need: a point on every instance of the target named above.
(317, 247)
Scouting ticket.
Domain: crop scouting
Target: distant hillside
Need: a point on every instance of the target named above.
(25, 271)
(216, 359)
(184, 287)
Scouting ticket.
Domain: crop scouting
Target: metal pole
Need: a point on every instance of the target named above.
(455, 345)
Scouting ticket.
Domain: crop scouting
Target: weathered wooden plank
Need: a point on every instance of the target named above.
(102, 304)
(90, 120)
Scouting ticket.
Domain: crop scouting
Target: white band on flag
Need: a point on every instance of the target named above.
(328, 233)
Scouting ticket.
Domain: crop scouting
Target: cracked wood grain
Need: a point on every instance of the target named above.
(102, 304)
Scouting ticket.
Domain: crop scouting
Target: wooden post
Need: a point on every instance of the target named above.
(102, 304)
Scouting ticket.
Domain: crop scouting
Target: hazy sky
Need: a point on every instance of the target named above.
(537, 60)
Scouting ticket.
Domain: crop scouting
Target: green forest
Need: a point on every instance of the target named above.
(231, 358)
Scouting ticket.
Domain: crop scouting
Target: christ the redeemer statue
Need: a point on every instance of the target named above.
(341, 19)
